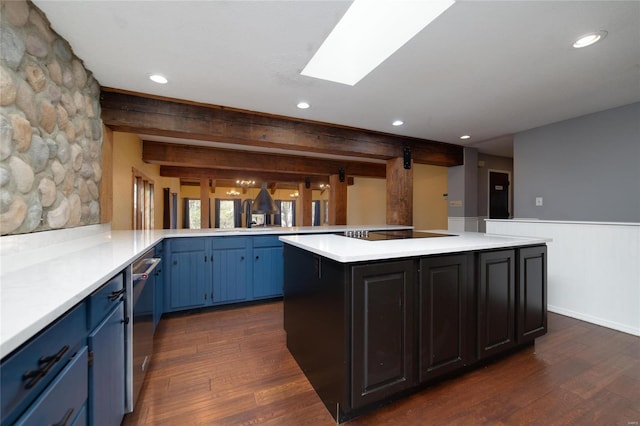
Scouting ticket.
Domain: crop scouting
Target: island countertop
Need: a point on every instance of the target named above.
(44, 274)
(346, 250)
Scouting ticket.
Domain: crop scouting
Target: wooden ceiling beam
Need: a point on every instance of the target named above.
(195, 173)
(247, 163)
(147, 114)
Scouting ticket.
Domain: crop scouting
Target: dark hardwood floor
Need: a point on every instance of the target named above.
(232, 367)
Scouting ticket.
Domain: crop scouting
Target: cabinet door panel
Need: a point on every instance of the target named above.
(107, 374)
(444, 315)
(267, 271)
(189, 286)
(532, 293)
(229, 275)
(382, 331)
(496, 307)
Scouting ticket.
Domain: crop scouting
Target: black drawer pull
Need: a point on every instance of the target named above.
(65, 419)
(49, 361)
(116, 294)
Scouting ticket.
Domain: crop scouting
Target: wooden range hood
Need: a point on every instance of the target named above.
(171, 118)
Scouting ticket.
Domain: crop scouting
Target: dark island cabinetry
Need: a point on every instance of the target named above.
(446, 309)
(382, 330)
(496, 302)
(368, 332)
(532, 293)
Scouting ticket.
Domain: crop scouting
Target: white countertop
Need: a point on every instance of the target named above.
(44, 274)
(347, 250)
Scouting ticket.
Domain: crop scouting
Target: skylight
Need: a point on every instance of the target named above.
(370, 32)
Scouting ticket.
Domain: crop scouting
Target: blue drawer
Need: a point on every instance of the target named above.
(64, 401)
(28, 371)
(187, 244)
(104, 299)
(267, 241)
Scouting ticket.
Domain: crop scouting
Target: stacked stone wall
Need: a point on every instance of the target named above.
(50, 127)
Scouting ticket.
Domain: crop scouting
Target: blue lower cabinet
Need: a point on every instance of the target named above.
(107, 370)
(189, 284)
(230, 274)
(267, 271)
(209, 271)
(30, 370)
(64, 401)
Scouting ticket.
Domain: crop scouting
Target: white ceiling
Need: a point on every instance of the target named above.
(484, 68)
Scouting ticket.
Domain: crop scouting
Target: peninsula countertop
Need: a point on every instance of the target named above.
(44, 274)
(346, 250)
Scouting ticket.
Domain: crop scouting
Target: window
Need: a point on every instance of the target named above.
(287, 216)
(191, 216)
(228, 213)
(143, 204)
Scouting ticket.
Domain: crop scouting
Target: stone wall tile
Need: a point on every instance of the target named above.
(22, 132)
(6, 137)
(37, 46)
(35, 76)
(55, 72)
(26, 101)
(13, 217)
(50, 127)
(79, 73)
(48, 116)
(17, 12)
(39, 154)
(48, 192)
(12, 47)
(42, 25)
(58, 171)
(58, 217)
(63, 117)
(5, 177)
(93, 190)
(75, 210)
(22, 174)
(8, 89)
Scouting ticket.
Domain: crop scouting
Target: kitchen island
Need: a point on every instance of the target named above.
(370, 320)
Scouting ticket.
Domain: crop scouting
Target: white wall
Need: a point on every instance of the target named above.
(593, 269)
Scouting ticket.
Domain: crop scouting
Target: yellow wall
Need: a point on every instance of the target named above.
(367, 202)
(429, 205)
(127, 154)
(366, 199)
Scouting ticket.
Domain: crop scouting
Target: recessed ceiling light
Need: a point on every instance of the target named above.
(157, 78)
(303, 105)
(463, 137)
(368, 33)
(589, 39)
(398, 123)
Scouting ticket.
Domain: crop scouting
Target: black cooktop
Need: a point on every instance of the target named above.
(391, 235)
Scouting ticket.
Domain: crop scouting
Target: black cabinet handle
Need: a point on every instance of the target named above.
(257, 257)
(241, 257)
(49, 361)
(125, 321)
(65, 419)
(205, 257)
(116, 294)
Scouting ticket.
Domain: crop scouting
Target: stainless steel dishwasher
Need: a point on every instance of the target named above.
(142, 301)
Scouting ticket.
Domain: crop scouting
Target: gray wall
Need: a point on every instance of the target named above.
(462, 184)
(586, 168)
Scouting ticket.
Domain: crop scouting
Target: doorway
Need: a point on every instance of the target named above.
(499, 198)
